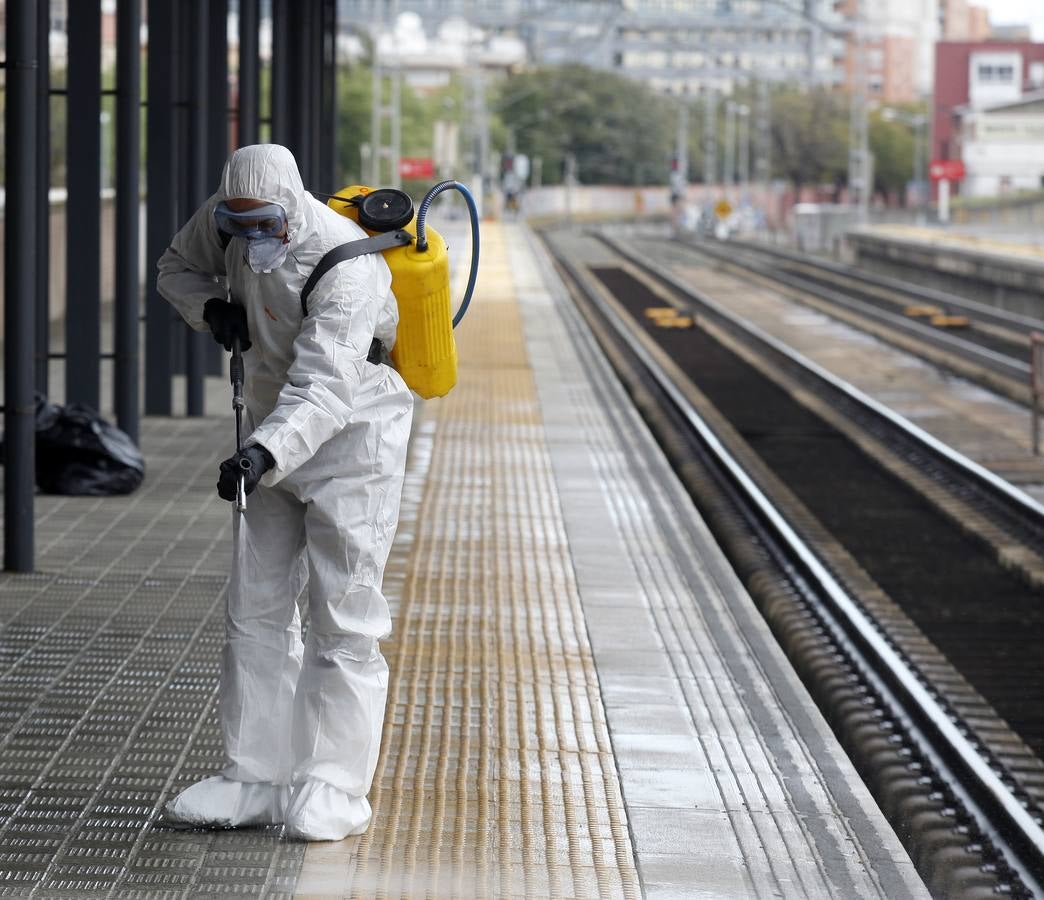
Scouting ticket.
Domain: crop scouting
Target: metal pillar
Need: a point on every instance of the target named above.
(162, 206)
(327, 132)
(193, 33)
(248, 129)
(680, 172)
(396, 130)
(20, 174)
(710, 138)
(303, 87)
(744, 148)
(387, 105)
(128, 201)
(307, 60)
(83, 209)
(218, 131)
(860, 185)
(280, 80)
(43, 185)
(729, 176)
(217, 94)
(763, 135)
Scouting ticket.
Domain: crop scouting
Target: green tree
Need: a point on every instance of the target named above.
(620, 131)
(892, 137)
(809, 135)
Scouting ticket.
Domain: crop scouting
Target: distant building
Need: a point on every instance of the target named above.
(1002, 146)
(977, 75)
(1010, 33)
(899, 39)
(962, 21)
(673, 45)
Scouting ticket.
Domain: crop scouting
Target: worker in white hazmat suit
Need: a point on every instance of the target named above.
(328, 425)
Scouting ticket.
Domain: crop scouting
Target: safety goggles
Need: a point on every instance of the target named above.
(263, 222)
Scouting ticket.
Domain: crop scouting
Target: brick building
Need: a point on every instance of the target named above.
(977, 75)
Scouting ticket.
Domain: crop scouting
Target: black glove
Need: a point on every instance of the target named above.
(227, 321)
(230, 470)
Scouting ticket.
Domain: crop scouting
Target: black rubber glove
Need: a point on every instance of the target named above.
(230, 470)
(227, 321)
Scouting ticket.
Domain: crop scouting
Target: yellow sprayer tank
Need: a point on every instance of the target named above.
(425, 354)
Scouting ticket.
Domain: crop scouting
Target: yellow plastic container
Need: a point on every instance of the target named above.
(425, 353)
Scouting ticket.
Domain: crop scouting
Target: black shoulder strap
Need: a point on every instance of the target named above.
(351, 250)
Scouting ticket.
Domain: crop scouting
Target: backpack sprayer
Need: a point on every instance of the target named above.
(425, 353)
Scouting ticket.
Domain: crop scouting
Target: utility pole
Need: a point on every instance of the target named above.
(744, 149)
(920, 151)
(859, 164)
(680, 171)
(730, 146)
(570, 184)
(710, 138)
(387, 82)
(763, 135)
(480, 141)
(386, 107)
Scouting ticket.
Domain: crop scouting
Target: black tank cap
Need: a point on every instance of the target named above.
(385, 210)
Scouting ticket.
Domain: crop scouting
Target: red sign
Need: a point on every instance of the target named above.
(946, 170)
(416, 167)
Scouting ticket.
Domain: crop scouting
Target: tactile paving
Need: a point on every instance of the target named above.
(108, 680)
(496, 775)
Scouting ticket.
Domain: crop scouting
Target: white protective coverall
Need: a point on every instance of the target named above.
(302, 740)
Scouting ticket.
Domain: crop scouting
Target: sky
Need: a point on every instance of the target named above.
(1012, 12)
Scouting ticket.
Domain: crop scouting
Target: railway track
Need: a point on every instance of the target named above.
(873, 552)
(982, 343)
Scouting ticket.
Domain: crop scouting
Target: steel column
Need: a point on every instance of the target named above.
(217, 136)
(83, 208)
(20, 174)
(217, 98)
(128, 204)
(43, 206)
(312, 54)
(298, 86)
(161, 204)
(248, 129)
(193, 27)
(280, 80)
(327, 173)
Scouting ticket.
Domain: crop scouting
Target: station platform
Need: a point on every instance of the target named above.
(583, 700)
(1001, 268)
(1013, 241)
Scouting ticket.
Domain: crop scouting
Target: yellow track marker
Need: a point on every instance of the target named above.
(923, 312)
(942, 321)
(668, 317)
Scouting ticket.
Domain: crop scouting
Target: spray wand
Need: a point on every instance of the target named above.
(237, 375)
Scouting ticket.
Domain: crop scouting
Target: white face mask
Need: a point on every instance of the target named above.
(266, 254)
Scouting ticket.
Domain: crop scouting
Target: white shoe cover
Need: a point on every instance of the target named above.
(320, 812)
(219, 802)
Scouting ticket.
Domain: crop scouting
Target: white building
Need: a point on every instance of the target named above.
(1002, 144)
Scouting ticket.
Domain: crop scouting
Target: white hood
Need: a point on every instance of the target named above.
(266, 172)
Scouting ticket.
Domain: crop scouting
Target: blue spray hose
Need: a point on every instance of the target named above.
(422, 238)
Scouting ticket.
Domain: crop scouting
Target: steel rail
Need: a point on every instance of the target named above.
(990, 314)
(1018, 836)
(997, 362)
(975, 472)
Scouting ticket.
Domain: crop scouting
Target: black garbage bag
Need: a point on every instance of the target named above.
(80, 454)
